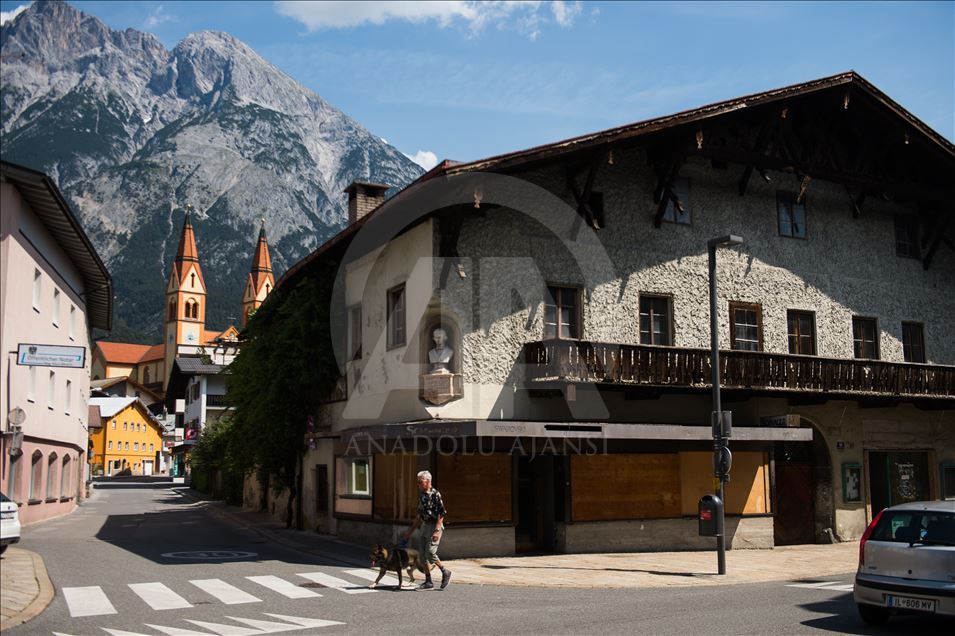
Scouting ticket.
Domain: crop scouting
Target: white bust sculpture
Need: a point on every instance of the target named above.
(440, 356)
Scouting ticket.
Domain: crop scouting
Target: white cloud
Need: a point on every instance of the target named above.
(424, 158)
(157, 17)
(524, 16)
(6, 16)
(565, 12)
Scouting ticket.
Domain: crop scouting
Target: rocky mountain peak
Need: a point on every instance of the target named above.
(133, 132)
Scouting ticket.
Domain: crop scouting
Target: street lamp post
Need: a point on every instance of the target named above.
(720, 421)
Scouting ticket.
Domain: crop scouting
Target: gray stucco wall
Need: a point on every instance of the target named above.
(846, 267)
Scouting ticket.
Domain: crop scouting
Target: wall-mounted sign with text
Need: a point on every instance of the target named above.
(38, 355)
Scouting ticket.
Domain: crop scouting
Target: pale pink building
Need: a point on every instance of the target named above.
(54, 289)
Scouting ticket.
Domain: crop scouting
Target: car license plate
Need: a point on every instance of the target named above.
(910, 603)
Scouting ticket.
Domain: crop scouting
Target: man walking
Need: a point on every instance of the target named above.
(430, 519)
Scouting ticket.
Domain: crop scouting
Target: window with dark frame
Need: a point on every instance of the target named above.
(913, 342)
(746, 327)
(865, 342)
(802, 332)
(655, 321)
(396, 316)
(907, 236)
(561, 312)
(354, 332)
(681, 187)
(791, 215)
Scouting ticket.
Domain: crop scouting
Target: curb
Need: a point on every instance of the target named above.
(43, 597)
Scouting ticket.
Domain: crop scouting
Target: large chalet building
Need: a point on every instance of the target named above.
(566, 405)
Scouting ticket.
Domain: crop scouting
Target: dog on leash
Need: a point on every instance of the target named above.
(396, 560)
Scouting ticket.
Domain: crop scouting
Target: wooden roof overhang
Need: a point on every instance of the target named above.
(840, 129)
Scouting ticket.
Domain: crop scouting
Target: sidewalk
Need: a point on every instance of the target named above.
(25, 587)
(639, 569)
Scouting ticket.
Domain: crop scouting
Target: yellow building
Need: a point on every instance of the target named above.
(128, 438)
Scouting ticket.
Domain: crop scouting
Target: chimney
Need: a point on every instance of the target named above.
(363, 197)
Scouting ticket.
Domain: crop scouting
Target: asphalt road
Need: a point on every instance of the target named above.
(140, 559)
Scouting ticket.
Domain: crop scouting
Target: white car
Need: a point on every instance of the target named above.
(9, 523)
(907, 562)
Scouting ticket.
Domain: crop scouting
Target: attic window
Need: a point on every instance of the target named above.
(681, 188)
(791, 215)
(907, 236)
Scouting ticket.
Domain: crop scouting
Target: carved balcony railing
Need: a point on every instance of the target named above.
(655, 366)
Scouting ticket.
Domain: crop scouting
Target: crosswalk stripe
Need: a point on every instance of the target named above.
(335, 583)
(228, 594)
(388, 579)
(87, 601)
(283, 587)
(847, 587)
(176, 631)
(811, 586)
(226, 630)
(158, 596)
(304, 622)
(120, 632)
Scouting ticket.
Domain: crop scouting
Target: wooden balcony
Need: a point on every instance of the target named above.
(628, 365)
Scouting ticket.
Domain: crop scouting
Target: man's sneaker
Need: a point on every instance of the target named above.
(427, 585)
(445, 578)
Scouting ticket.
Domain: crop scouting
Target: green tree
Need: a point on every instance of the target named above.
(284, 367)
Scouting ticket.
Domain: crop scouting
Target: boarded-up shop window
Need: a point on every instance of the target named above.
(747, 493)
(396, 487)
(475, 487)
(625, 486)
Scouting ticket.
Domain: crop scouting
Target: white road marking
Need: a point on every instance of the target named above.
(335, 583)
(228, 594)
(824, 585)
(226, 630)
(120, 632)
(283, 587)
(158, 596)
(87, 601)
(305, 622)
(387, 579)
(176, 631)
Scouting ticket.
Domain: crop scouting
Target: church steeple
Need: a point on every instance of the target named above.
(260, 282)
(185, 314)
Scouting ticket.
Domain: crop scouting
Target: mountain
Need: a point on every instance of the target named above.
(133, 132)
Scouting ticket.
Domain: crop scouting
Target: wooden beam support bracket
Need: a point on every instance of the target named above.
(583, 197)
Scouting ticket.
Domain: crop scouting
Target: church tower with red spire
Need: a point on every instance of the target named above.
(260, 282)
(185, 314)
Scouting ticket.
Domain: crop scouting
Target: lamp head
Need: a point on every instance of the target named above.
(728, 240)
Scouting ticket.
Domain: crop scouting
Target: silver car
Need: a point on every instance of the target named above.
(907, 562)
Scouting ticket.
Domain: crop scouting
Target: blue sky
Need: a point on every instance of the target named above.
(464, 80)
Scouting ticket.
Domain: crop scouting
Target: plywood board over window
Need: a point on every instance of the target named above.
(747, 492)
(395, 487)
(475, 487)
(625, 486)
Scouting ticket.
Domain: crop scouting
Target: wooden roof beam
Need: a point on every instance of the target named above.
(762, 140)
(664, 192)
(916, 191)
(940, 230)
(582, 197)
